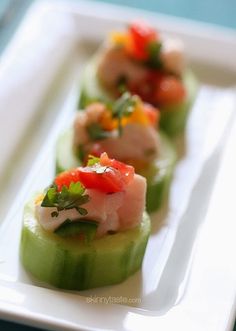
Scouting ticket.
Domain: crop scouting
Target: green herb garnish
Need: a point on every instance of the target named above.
(80, 153)
(92, 160)
(122, 84)
(78, 227)
(96, 132)
(123, 107)
(154, 60)
(68, 198)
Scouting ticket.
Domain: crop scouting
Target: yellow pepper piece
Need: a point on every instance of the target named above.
(138, 116)
(119, 38)
(107, 122)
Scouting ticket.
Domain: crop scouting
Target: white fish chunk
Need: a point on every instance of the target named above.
(114, 212)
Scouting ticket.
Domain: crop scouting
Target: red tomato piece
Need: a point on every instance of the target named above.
(105, 179)
(108, 176)
(141, 36)
(66, 177)
(126, 170)
(170, 90)
(146, 88)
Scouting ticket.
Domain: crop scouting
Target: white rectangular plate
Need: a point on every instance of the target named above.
(188, 276)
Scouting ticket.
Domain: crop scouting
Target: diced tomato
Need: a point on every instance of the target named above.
(96, 150)
(126, 170)
(152, 113)
(66, 177)
(146, 88)
(108, 180)
(141, 35)
(170, 90)
(108, 176)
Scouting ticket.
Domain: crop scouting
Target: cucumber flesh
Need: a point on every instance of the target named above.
(72, 264)
(158, 174)
(173, 118)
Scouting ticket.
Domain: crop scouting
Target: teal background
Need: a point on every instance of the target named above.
(219, 12)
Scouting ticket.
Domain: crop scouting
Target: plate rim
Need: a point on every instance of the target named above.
(14, 311)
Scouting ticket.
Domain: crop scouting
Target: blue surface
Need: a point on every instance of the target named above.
(220, 12)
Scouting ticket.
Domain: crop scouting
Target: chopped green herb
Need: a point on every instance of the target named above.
(78, 227)
(68, 198)
(96, 132)
(92, 160)
(122, 84)
(123, 107)
(80, 153)
(154, 50)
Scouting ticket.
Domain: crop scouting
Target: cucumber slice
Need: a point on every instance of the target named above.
(173, 118)
(75, 265)
(158, 174)
(91, 90)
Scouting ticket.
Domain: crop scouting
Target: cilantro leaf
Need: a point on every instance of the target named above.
(68, 198)
(50, 197)
(124, 106)
(78, 227)
(80, 153)
(122, 84)
(92, 160)
(154, 50)
(96, 132)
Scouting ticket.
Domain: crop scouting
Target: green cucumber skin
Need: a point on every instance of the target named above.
(65, 157)
(173, 118)
(73, 265)
(158, 181)
(159, 175)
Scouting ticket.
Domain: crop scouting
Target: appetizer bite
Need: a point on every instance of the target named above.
(126, 130)
(141, 62)
(89, 228)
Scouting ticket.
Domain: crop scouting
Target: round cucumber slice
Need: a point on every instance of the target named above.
(173, 118)
(158, 174)
(75, 265)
